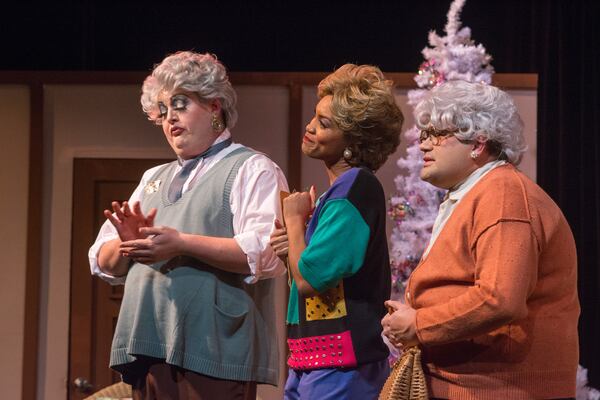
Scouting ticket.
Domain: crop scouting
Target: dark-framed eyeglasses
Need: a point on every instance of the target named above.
(436, 136)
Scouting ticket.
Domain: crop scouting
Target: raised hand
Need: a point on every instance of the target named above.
(298, 205)
(128, 220)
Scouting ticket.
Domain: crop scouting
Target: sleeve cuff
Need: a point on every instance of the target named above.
(113, 280)
(309, 277)
(418, 331)
(262, 261)
(95, 268)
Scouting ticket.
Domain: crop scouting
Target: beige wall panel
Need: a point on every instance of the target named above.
(526, 101)
(14, 184)
(263, 121)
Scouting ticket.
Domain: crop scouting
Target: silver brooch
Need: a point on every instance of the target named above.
(152, 187)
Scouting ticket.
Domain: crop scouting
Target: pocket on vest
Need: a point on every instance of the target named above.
(231, 308)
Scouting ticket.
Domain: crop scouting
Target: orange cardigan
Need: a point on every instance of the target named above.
(496, 297)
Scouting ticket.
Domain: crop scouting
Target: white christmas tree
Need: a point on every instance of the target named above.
(415, 205)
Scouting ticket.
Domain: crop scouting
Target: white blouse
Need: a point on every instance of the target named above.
(254, 203)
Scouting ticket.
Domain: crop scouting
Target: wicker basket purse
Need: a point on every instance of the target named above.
(406, 380)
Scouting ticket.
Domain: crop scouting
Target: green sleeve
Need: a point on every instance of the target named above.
(337, 247)
(293, 315)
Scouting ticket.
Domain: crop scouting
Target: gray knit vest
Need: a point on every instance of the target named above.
(187, 312)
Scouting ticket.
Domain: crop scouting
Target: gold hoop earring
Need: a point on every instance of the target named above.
(216, 123)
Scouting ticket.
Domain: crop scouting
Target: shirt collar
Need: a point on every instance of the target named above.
(221, 138)
(463, 188)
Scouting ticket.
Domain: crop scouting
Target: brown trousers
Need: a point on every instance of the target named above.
(167, 382)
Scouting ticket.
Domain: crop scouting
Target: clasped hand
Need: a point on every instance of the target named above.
(141, 241)
(399, 326)
(160, 243)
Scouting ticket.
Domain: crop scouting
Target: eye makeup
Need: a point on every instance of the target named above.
(162, 110)
(178, 102)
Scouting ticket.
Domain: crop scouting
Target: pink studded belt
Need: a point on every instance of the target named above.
(324, 351)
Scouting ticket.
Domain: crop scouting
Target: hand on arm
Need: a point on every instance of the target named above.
(127, 222)
(297, 208)
(279, 241)
(399, 325)
(255, 203)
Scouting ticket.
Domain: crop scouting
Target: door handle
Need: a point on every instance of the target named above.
(83, 385)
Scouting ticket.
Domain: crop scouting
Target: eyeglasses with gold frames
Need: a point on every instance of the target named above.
(436, 136)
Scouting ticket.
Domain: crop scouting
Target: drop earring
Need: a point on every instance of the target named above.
(216, 123)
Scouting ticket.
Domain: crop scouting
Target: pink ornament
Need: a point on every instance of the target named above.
(429, 70)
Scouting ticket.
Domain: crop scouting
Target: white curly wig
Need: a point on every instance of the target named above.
(202, 74)
(476, 110)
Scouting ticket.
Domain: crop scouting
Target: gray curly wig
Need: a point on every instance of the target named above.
(477, 110)
(202, 74)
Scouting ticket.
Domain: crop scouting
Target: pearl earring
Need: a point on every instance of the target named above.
(474, 154)
(347, 154)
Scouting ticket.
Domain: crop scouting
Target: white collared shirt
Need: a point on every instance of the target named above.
(454, 196)
(255, 192)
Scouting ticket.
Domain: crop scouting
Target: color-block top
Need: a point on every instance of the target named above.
(346, 260)
(496, 297)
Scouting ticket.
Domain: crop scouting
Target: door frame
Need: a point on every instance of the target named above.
(87, 173)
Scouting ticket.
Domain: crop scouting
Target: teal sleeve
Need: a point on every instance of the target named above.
(337, 247)
(293, 315)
